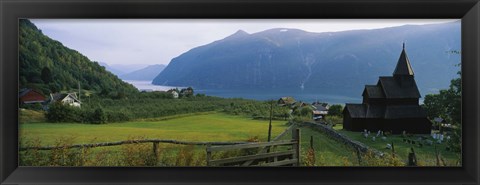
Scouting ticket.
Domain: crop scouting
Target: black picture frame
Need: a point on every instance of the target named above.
(12, 10)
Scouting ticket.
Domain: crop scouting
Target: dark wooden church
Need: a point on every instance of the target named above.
(391, 105)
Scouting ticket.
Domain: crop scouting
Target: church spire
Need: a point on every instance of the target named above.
(403, 64)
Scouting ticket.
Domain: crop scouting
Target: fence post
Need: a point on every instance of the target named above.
(436, 154)
(296, 146)
(393, 150)
(209, 154)
(359, 157)
(412, 158)
(155, 150)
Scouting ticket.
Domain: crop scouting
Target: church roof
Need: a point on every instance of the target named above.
(393, 89)
(355, 110)
(373, 91)
(403, 64)
(386, 112)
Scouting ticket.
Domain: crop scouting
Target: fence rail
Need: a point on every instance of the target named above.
(129, 142)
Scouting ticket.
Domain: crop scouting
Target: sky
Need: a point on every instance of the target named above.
(157, 41)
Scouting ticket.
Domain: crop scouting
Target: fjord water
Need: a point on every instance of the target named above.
(306, 95)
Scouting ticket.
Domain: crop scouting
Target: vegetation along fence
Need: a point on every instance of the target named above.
(154, 142)
(274, 153)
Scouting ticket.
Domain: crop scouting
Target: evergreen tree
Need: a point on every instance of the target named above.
(46, 75)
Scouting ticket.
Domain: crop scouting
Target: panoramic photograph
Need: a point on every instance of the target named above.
(240, 92)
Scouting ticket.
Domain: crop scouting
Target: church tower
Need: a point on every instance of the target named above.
(403, 73)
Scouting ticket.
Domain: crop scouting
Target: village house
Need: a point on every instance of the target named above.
(30, 96)
(286, 101)
(320, 110)
(174, 93)
(392, 105)
(66, 98)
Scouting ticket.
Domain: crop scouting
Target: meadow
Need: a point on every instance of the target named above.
(209, 126)
(204, 126)
(199, 127)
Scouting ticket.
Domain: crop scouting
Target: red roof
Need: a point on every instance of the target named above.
(31, 96)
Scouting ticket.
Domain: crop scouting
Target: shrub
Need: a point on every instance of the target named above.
(58, 112)
(335, 110)
(333, 120)
(99, 116)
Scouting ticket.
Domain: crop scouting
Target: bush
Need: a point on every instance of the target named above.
(336, 110)
(58, 112)
(99, 116)
(117, 117)
(333, 120)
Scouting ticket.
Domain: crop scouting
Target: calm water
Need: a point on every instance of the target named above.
(299, 95)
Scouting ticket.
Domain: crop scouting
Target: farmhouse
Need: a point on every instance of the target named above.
(320, 110)
(286, 101)
(66, 98)
(30, 96)
(173, 92)
(390, 105)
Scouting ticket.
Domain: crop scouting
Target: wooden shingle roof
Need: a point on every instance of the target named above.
(392, 88)
(373, 91)
(403, 65)
(386, 112)
(356, 110)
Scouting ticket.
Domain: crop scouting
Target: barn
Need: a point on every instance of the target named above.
(392, 105)
(30, 96)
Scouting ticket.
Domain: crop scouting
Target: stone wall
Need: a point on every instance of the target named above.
(358, 146)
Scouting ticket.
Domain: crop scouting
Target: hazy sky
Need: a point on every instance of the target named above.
(157, 41)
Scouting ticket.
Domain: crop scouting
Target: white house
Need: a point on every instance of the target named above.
(66, 98)
(174, 93)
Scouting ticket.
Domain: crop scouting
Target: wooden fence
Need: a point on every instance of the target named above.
(274, 153)
(154, 142)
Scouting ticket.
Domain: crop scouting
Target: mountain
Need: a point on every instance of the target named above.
(121, 69)
(49, 66)
(146, 74)
(331, 62)
(111, 69)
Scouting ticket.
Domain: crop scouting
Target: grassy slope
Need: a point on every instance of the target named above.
(328, 152)
(210, 127)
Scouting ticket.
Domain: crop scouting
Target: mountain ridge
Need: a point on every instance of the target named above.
(145, 74)
(292, 58)
(47, 65)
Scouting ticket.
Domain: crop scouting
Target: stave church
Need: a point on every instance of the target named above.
(392, 105)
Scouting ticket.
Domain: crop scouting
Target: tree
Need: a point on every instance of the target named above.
(99, 116)
(447, 105)
(188, 92)
(335, 110)
(46, 75)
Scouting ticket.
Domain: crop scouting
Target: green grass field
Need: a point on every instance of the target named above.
(208, 127)
(328, 152)
(195, 127)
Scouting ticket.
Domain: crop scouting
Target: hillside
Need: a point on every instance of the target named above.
(334, 62)
(49, 66)
(145, 74)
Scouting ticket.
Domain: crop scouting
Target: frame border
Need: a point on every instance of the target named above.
(12, 10)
